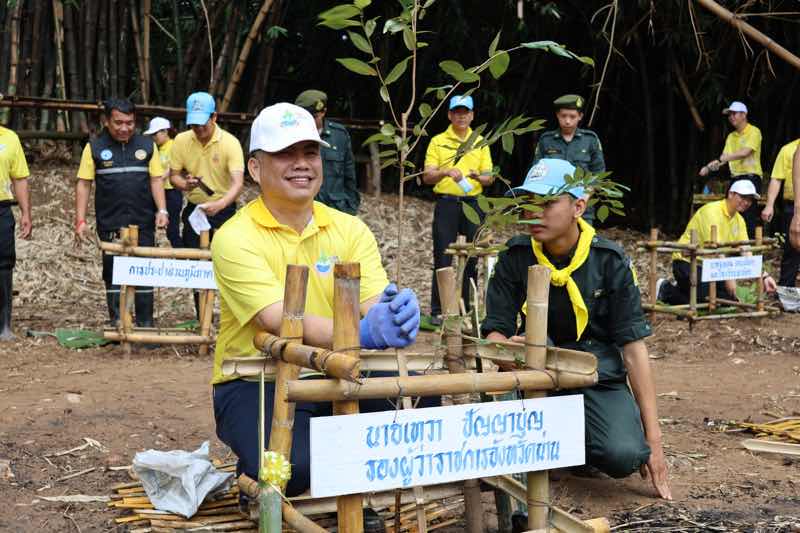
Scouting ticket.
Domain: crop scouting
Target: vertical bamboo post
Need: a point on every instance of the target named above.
(460, 262)
(712, 287)
(124, 314)
(536, 357)
(693, 276)
(375, 165)
(269, 501)
(760, 284)
(206, 300)
(449, 295)
(346, 314)
(653, 272)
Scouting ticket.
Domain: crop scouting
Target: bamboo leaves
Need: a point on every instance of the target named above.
(559, 50)
(356, 65)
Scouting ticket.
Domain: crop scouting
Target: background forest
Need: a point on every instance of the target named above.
(673, 66)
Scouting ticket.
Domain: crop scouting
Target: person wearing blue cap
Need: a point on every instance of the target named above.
(594, 306)
(456, 179)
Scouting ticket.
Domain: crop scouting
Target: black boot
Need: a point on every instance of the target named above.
(143, 304)
(519, 522)
(6, 297)
(112, 301)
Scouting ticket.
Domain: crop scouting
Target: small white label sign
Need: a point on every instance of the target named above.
(150, 272)
(392, 449)
(747, 267)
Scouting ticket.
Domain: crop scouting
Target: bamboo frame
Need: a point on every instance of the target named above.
(333, 364)
(206, 296)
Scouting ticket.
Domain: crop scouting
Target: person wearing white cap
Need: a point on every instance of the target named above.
(250, 253)
(726, 216)
(742, 154)
(162, 132)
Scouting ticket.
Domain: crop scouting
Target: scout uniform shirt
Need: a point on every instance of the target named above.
(339, 185)
(584, 150)
(250, 253)
(213, 162)
(782, 170)
(749, 138)
(12, 162)
(730, 228)
(441, 154)
(163, 153)
(609, 290)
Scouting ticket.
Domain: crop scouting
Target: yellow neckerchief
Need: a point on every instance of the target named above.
(562, 277)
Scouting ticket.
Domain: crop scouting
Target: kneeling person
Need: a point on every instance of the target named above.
(284, 225)
(594, 306)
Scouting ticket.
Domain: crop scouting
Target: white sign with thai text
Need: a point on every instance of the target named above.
(731, 268)
(393, 449)
(150, 272)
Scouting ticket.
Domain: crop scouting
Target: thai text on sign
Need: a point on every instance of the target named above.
(732, 268)
(151, 272)
(394, 449)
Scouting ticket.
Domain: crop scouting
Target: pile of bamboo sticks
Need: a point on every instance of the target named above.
(439, 514)
(783, 429)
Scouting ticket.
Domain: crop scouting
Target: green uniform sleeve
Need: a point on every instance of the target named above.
(350, 178)
(506, 294)
(627, 320)
(537, 154)
(598, 162)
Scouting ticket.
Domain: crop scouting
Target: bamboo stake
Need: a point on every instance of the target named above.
(449, 294)
(538, 489)
(206, 307)
(269, 501)
(346, 314)
(693, 274)
(759, 284)
(155, 338)
(291, 515)
(241, 62)
(153, 251)
(333, 364)
(125, 322)
(653, 271)
(712, 287)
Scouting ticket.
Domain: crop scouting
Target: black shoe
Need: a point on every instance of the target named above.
(6, 297)
(519, 522)
(112, 302)
(436, 320)
(373, 523)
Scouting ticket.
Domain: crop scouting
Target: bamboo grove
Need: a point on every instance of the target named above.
(664, 70)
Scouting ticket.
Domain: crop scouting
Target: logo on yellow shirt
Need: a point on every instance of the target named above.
(325, 263)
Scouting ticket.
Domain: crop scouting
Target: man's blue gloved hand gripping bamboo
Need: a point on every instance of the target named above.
(393, 322)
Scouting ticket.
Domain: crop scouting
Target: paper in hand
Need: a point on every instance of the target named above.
(199, 221)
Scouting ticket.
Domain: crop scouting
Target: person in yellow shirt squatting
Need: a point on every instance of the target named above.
(284, 225)
(126, 171)
(162, 132)
(726, 216)
(742, 153)
(782, 172)
(13, 184)
(455, 180)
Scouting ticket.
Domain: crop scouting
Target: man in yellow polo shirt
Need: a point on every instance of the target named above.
(742, 152)
(207, 163)
(725, 215)
(455, 180)
(13, 183)
(284, 225)
(782, 172)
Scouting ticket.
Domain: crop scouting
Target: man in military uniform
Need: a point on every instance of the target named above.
(579, 146)
(594, 306)
(129, 190)
(339, 185)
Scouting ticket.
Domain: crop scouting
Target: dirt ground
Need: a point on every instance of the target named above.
(53, 398)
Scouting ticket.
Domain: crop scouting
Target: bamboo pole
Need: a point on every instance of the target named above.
(759, 284)
(127, 294)
(153, 251)
(139, 53)
(744, 27)
(58, 37)
(538, 489)
(206, 307)
(291, 516)
(269, 501)
(13, 68)
(242, 60)
(712, 287)
(331, 363)
(155, 338)
(653, 271)
(146, 9)
(449, 295)
(346, 314)
(693, 274)
(687, 95)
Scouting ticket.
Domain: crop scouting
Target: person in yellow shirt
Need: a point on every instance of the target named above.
(455, 180)
(742, 153)
(129, 190)
(207, 163)
(13, 190)
(162, 132)
(782, 172)
(284, 225)
(726, 216)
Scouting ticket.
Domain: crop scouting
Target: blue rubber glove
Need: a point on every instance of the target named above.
(371, 328)
(389, 293)
(405, 307)
(392, 322)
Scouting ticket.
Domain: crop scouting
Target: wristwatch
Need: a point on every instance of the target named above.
(163, 212)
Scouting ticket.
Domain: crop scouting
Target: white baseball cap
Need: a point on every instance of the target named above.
(157, 124)
(745, 188)
(281, 125)
(735, 107)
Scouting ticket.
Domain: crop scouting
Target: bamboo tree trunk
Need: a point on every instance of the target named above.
(101, 70)
(241, 62)
(13, 57)
(146, 10)
(178, 34)
(4, 42)
(264, 63)
(227, 45)
(199, 49)
(649, 139)
(26, 29)
(49, 71)
(61, 79)
(113, 48)
(139, 52)
(34, 67)
(73, 76)
(89, 36)
(122, 51)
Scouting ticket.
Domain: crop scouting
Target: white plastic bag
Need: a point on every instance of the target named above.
(789, 297)
(178, 481)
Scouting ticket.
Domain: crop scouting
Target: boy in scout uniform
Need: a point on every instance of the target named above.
(13, 183)
(594, 305)
(339, 185)
(782, 172)
(284, 225)
(455, 181)
(726, 216)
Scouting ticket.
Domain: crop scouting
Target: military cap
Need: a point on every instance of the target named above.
(312, 99)
(570, 101)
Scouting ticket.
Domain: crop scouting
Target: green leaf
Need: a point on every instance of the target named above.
(483, 203)
(369, 26)
(417, 130)
(394, 26)
(79, 338)
(375, 137)
(361, 4)
(360, 42)
(388, 129)
(495, 42)
(343, 11)
(508, 143)
(499, 64)
(384, 92)
(409, 39)
(398, 70)
(387, 153)
(338, 24)
(453, 68)
(388, 162)
(356, 65)
(470, 213)
(602, 213)
(585, 59)
(425, 110)
(440, 94)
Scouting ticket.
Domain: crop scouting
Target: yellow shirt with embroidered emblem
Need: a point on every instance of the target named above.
(213, 162)
(250, 253)
(13, 165)
(730, 228)
(782, 169)
(750, 137)
(442, 152)
(163, 153)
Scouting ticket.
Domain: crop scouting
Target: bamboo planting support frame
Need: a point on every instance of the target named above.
(126, 332)
(696, 250)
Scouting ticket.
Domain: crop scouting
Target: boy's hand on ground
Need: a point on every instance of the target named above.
(656, 467)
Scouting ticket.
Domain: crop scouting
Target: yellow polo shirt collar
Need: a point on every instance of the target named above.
(264, 217)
